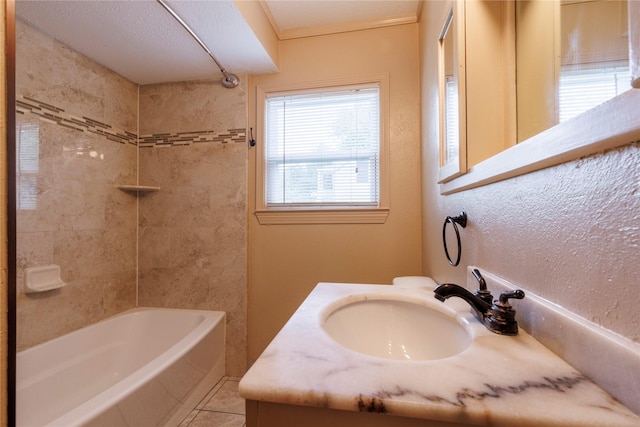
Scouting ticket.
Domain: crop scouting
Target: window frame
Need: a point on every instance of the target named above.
(302, 215)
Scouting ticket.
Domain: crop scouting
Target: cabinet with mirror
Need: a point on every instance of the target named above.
(451, 87)
(566, 68)
(572, 55)
(476, 81)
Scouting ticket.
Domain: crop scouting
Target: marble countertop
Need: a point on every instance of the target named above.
(497, 381)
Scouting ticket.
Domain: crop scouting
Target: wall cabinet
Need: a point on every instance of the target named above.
(481, 63)
(499, 114)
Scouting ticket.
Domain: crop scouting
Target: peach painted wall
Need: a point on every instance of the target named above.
(570, 233)
(286, 261)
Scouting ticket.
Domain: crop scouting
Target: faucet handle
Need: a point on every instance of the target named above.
(503, 301)
(482, 292)
(503, 317)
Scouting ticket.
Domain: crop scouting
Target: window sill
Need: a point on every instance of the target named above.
(336, 216)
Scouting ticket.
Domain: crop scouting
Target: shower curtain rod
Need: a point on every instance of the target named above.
(229, 80)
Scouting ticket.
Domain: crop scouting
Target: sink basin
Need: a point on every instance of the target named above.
(392, 328)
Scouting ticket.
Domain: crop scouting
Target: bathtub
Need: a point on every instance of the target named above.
(143, 367)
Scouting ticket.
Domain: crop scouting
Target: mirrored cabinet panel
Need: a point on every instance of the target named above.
(533, 70)
(634, 41)
(572, 55)
(451, 89)
(476, 84)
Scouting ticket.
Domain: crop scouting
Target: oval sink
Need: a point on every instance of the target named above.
(396, 329)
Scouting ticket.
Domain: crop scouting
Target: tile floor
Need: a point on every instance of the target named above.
(221, 407)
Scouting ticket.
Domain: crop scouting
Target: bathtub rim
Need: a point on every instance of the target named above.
(111, 396)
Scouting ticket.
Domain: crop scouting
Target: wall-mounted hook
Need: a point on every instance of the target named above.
(252, 142)
(460, 219)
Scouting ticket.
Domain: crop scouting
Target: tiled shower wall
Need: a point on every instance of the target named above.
(77, 140)
(193, 231)
(74, 126)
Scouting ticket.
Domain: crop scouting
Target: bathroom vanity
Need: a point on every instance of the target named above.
(314, 374)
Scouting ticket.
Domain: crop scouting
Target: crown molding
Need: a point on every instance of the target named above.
(344, 27)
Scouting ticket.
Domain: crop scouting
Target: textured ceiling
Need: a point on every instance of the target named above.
(144, 43)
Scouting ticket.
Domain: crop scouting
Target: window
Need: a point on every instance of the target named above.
(323, 148)
(28, 158)
(583, 88)
(323, 156)
(451, 118)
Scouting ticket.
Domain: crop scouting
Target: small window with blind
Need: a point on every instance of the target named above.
(28, 169)
(322, 155)
(582, 88)
(451, 120)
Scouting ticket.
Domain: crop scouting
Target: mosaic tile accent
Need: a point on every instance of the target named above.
(196, 137)
(56, 115)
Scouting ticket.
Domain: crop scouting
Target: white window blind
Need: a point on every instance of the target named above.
(323, 149)
(451, 119)
(583, 89)
(28, 165)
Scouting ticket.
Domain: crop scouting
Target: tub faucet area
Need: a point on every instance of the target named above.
(498, 317)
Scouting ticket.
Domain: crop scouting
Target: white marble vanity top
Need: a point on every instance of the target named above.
(497, 381)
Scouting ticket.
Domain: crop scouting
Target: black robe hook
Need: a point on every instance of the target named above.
(252, 142)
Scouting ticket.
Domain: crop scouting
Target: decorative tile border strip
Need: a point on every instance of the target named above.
(195, 137)
(58, 116)
(53, 114)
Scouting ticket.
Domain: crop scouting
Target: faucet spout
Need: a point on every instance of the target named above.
(447, 290)
(498, 317)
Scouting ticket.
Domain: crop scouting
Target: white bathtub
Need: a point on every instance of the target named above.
(144, 367)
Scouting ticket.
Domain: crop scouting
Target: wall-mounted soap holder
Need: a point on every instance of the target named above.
(41, 279)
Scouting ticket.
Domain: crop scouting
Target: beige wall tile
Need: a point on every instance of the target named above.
(192, 106)
(193, 231)
(44, 316)
(70, 211)
(51, 72)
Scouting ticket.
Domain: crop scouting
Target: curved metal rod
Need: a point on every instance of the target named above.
(229, 80)
(453, 220)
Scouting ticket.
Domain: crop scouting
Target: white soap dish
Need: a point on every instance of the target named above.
(43, 278)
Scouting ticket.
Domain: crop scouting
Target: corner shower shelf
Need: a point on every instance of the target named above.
(138, 188)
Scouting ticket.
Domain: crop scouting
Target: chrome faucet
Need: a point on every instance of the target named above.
(498, 317)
